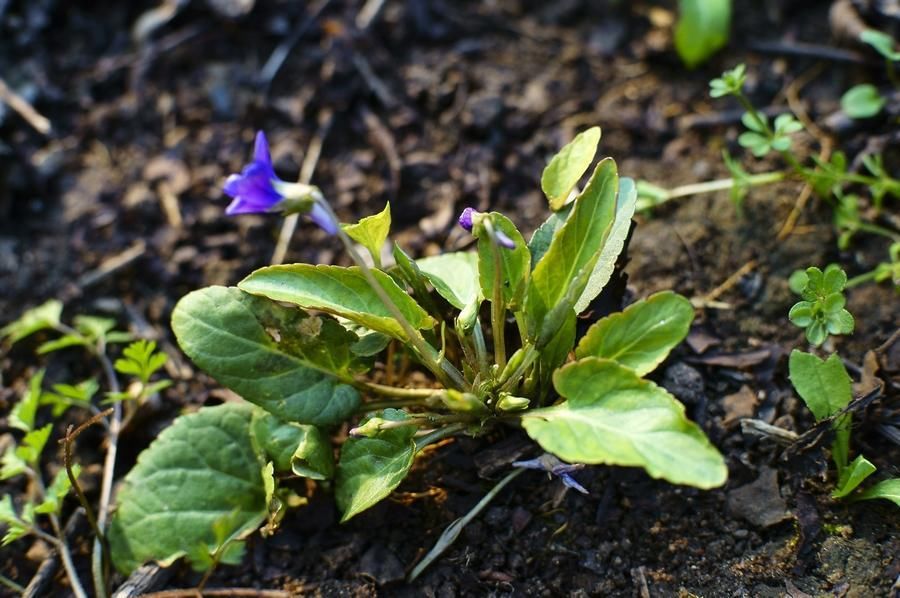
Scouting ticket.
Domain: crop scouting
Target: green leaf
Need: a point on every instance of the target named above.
(259, 349)
(642, 336)
(371, 232)
(564, 270)
(63, 342)
(11, 464)
(543, 236)
(69, 395)
(370, 468)
(33, 445)
(200, 470)
(454, 276)
(702, 29)
(22, 415)
(887, 489)
(882, 42)
(340, 291)
(515, 263)
(555, 353)
(57, 491)
(44, 316)
(141, 360)
(303, 449)
(823, 385)
(613, 417)
(568, 166)
(613, 246)
(15, 527)
(855, 473)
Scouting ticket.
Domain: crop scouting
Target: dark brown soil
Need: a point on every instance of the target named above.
(436, 106)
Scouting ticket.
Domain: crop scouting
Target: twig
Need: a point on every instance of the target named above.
(280, 54)
(100, 565)
(368, 13)
(306, 171)
(144, 579)
(791, 221)
(37, 587)
(24, 109)
(810, 51)
(68, 443)
(225, 592)
(112, 264)
(729, 282)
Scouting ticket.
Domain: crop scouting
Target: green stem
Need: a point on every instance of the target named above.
(454, 529)
(877, 230)
(4, 580)
(498, 308)
(754, 114)
(480, 348)
(393, 391)
(861, 278)
(753, 180)
(439, 434)
(443, 369)
(395, 404)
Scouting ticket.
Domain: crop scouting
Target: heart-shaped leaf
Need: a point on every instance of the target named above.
(613, 417)
(269, 354)
(200, 472)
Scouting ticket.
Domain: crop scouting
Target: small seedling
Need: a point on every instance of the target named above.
(824, 385)
(22, 514)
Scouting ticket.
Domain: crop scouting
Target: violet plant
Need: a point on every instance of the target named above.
(313, 350)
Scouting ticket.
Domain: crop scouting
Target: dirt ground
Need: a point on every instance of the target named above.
(435, 106)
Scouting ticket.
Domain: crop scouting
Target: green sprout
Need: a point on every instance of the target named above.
(822, 310)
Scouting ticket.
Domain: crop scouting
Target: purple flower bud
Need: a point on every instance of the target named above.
(465, 219)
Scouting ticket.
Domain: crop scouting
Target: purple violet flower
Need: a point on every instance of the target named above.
(256, 189)
(466, 220)
(554, 466)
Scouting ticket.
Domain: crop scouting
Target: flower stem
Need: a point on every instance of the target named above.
(498, 309)
(440, 367)
(439, 434)
(393, 391)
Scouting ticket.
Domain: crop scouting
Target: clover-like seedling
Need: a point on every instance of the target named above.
(761, 138)
(730, 83)
(822, 310)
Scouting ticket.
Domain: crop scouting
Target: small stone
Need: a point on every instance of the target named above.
(381, 565)
(760, 501)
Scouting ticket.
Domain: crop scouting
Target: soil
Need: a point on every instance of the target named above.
(436, 106)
